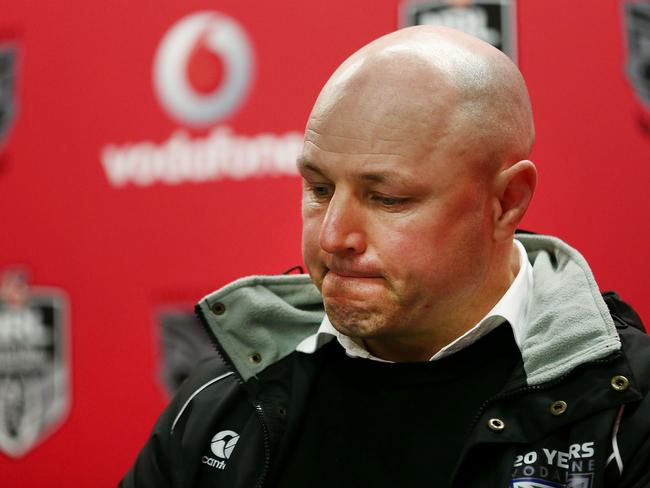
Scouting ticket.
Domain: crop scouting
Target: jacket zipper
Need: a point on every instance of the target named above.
(259, 411)
(267, 446)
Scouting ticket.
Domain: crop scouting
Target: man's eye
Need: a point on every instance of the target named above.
(388, 201)
(320, 191)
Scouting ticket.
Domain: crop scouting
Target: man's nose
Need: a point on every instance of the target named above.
(342, 230)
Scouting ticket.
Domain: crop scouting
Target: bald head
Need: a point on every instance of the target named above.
(448, 85)
(414, 181)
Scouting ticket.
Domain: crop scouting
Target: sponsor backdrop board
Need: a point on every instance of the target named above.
(146, 158)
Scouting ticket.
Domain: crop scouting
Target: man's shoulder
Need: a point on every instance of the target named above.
(633, 434)
(208, 381)
(635, 342)
(636, 348)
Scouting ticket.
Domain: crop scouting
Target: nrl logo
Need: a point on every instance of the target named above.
(7, 82)
(637, 19)
(183, 344)
(34, 375)
(493, 21)
(637, 22)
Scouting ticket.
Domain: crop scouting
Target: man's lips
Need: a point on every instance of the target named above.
(345, 283)
(354, 274)
(350, 270)
(349, 284)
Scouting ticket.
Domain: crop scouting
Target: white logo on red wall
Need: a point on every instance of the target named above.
(203, 68)
(8, 54)
(34, 369)
(493, 21)
(637, 21)
(203, 71)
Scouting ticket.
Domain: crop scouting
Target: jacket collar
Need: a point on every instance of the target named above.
(258, 320)
(568, 321)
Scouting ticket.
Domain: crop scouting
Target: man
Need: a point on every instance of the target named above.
(450, 354)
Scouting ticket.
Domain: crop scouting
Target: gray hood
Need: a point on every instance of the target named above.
(258, 320)
(568, 320)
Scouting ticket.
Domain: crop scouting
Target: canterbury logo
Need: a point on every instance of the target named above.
(223, 443)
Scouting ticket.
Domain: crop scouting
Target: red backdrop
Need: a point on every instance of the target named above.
(84, 82)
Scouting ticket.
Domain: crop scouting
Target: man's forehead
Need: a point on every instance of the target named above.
(374, 138)
(381, 106)
(360, 137)
(380, 153)
(379, 117)
(371, 169)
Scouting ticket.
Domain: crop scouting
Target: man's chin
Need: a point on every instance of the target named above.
(353, 321)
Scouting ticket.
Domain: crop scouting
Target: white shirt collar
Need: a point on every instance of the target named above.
(512, 307)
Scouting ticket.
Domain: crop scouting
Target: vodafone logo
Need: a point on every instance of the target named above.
(223, 443)
(203, 68)
(202, 72)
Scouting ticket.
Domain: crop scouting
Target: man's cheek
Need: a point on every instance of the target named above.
(311, 256)
(399, 247)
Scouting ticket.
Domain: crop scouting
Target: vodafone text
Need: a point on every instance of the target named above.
(182, 159)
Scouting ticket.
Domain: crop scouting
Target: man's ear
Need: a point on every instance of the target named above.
(515, 186)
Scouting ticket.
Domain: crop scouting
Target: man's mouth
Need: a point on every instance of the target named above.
(344, 278)
(354, 274)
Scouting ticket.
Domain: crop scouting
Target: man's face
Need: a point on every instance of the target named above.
(395, 220)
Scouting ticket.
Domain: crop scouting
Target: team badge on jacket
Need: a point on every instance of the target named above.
(34, 371)
(548, 467)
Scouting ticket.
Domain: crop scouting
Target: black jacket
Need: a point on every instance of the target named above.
(578, 415)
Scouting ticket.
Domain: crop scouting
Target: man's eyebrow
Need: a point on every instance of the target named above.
(385, 177)
(305, 165)
(379, 176)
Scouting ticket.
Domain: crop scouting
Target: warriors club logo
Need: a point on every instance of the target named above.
(34, 371)
(203, 68)
(493, 21)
